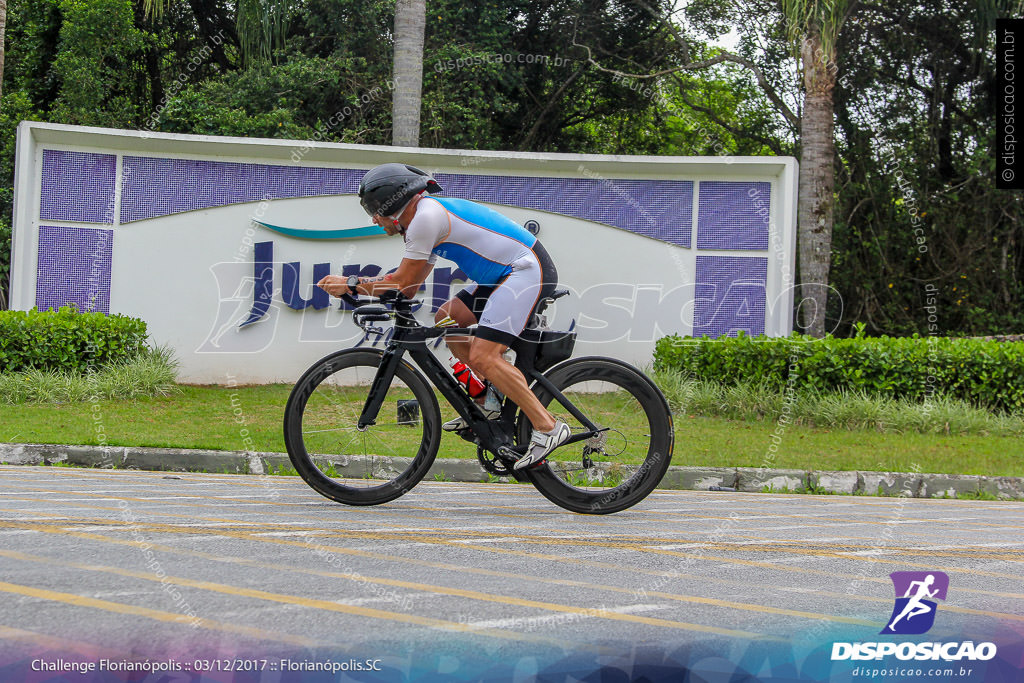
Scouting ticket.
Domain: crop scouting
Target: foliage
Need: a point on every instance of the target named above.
(102, 79)
(856, 410)
(987, 374)
(150, 373)
(917, 206)
(14, 108)
(5, 258)
(67, 339)
(915, 111)
(202, 417)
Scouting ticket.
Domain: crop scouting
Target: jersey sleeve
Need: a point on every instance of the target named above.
(428, 227)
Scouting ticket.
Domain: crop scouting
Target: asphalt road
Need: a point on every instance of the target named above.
(471, 580)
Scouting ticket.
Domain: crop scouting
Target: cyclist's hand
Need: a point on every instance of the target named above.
(335, 285)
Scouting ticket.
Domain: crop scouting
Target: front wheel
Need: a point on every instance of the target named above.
(369, 466)
(622, 465)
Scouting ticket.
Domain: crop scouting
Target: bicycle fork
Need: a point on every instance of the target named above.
(381, 381)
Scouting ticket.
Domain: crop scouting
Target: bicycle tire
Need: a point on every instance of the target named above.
(551, 477)
(410, 470)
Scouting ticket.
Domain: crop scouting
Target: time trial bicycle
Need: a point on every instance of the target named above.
(362, 426)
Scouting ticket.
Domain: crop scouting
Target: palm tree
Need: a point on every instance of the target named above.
(3, 31)
(813, 28)
(410, 21)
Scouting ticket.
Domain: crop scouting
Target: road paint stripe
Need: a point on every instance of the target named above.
(789, 547)
(158, 615)
(769, 565)
(844, 522)
(65, 646)
(394, 616)
(313, 603)
(773, 565)
(489, 597)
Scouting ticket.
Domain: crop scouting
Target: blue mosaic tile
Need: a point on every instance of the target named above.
(153, 187)
(661, 209)
(77, 186)
(729, 295)
(733, 215)
(74, 267)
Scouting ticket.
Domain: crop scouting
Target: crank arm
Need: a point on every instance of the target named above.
(516, 452)
(582, 436)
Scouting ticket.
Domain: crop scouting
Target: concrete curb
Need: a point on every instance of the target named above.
(747, 479)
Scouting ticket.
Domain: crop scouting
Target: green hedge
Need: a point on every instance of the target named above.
(67, 339)
(989, 374)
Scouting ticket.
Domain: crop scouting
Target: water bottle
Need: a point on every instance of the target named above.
(470, 382)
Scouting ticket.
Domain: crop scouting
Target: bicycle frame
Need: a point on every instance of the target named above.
(495, 436)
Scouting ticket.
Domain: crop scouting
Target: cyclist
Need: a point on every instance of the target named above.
(511, 269)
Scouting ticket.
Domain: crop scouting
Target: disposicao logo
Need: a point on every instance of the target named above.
(914, 614)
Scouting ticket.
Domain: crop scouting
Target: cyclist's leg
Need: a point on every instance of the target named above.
(504, 317)
(465, 309)
(485, 357)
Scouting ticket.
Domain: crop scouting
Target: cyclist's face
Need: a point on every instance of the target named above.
(390, 226)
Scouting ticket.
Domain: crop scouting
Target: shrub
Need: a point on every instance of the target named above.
(67, 340)
(987, 374)
(831, 409)
(150, 373)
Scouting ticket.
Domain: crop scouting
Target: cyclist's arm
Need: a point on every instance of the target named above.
(410, 275)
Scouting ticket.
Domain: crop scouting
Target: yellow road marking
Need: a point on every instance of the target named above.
(377, 535)
(585, 521)
(630, 542)
(447, 541)
(486, 596)
(769, 565)
(369, 612)
(158, 615)
(62, 645)
(394, 616)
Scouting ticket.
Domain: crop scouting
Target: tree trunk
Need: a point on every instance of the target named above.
(5, 282)
(3, 33)
(816, 183)
(410, 20)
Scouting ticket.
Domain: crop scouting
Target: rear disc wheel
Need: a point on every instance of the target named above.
(622, 464)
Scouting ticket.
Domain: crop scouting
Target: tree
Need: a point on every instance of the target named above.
(811, 28)
(410, 24)
(917, 210)
(507, 76)
(814, 27)
(260, 25)
(3, 32)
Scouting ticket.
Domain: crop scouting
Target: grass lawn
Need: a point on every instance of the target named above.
(214, 417)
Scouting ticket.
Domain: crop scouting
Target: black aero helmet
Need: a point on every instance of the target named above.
(386, 189)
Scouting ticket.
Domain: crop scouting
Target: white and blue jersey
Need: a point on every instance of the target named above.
(508, 264)
(484, 244)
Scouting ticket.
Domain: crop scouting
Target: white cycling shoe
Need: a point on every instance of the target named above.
(491, 407)
(542, 443)
(460, 423)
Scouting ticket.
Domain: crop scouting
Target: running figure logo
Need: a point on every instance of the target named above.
(913, 612)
